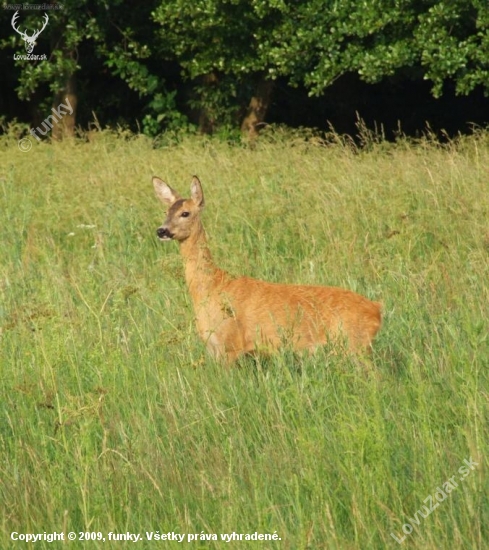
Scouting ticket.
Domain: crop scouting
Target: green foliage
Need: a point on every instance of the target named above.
(453, 40)
(216, 44)
(213, 36)
(66, 29)
(164, 114)
(317, 42)
(119, 36)
(223, 48)
(313, 43)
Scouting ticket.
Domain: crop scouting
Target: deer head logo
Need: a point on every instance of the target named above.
(30, 41)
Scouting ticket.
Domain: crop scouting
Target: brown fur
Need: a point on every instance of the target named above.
(243, 315)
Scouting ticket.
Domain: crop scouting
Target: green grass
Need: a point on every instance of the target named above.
(113, 417)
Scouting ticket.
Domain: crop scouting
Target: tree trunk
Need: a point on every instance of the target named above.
(207, 122)
(64, 110)
(257, 109)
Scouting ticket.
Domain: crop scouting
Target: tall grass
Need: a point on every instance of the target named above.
(113, 418)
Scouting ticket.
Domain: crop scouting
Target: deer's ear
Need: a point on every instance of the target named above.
(164, 192)
(196, 193)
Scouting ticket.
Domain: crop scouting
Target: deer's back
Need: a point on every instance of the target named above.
(302, 315)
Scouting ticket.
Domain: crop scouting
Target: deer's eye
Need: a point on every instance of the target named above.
(185, 214)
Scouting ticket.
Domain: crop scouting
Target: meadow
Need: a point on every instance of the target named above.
(113, 418)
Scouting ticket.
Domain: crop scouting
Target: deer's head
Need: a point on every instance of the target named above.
(183, 216)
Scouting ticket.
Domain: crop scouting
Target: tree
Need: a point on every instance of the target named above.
(59, 42)
(80, 36)
(217, 60)
(319, 41)
(217, 44)
(311, 43)
(452, 42)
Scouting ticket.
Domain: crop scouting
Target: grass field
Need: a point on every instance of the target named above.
(113, 417)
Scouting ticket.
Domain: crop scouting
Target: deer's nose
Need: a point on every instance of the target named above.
(164, 233)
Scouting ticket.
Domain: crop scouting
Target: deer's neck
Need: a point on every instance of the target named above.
(201, 274)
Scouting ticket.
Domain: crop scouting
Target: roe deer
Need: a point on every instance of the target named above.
(243, 315)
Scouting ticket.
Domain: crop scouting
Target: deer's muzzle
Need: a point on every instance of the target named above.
(164, 233)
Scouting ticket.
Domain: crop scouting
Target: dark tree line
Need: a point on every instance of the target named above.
(213, 64)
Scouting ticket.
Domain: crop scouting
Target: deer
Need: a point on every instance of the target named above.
(239, 316)
(30, 41)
